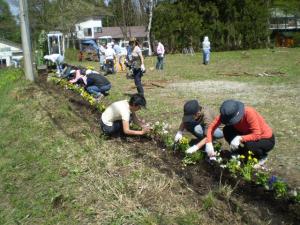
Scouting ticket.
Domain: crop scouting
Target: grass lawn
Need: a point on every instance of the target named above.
(55, 168)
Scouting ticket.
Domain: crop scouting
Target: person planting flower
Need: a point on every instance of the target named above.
(245, 130)
(116, 118)
(196, 120)
(94, 83)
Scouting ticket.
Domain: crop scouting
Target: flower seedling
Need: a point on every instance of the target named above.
(280, 188)
(262, 179)
(234, 165)
(192, 159)
(183, 144)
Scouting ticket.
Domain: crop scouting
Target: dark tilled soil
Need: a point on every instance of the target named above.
(250, 201)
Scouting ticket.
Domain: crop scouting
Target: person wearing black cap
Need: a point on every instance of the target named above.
(115, 119)
(245, 130)
(196, 120)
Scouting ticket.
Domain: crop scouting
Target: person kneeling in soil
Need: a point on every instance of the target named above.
(116, 118)
(196, 120)
(94, 83)
(245, 130)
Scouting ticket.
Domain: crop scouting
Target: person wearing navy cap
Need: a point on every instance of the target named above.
(245, 130)
(196, 120)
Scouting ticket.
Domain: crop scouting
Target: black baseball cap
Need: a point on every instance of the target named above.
(190, 108)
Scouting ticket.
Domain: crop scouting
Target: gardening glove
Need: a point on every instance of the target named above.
(192, 149)
(234, 145)
(209, 149)
(178, 136)
(143, 68)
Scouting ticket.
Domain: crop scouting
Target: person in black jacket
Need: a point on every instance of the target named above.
(94, 83)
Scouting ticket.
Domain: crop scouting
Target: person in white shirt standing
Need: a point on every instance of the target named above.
(116, 118)
(110, 56)
(206, 50)
(160, 52)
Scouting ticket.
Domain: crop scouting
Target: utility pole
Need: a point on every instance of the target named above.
(26, 44)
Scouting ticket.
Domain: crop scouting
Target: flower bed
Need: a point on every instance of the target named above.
(239, 167)
(85, 95)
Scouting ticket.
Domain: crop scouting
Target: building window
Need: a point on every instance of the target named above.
(98, 29)
(87, 31)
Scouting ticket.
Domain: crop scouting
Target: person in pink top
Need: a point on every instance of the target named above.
(245, 130)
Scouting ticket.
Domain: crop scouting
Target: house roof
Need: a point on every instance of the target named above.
(10, 43)
(115, 32)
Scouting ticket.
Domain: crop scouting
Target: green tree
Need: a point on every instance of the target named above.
(8, 25)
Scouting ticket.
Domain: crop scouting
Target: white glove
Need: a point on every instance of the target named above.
(178, 136)
(192, 149)
(235, 142)
(209, 149)
(143, 67)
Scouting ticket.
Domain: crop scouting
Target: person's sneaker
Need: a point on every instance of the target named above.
(260, 163)
(99, 97)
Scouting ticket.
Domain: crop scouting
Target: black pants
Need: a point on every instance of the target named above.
(137, 76)
(260, 148)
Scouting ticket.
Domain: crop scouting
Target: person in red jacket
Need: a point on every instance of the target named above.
(245, 130)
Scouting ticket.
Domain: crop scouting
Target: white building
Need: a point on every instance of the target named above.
(10, 53)
(88, 29)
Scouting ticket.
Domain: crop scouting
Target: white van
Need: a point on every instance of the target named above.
(104, 39)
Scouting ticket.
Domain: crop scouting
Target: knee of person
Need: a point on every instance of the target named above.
(198, 130)
(218, 134)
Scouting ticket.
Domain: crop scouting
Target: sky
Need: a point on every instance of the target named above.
(14, 6)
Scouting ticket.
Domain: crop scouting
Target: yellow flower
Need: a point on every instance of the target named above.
(249, 157)
(242, 156)
(184, 140)
(255, 160)
(250, 152)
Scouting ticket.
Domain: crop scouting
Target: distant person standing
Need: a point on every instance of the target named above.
(206, 50)
(110, 56)
(119, 55)
(137, 63)
(160, 52)
(102, 49)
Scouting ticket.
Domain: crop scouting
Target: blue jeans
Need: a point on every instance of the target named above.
(97, 91)
(117, 127)
(197, 130)
(206, 56)
(160, 63)
(137, 76)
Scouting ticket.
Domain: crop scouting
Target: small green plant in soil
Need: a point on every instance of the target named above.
(262, 179)
(183, 144)
(234, 165)
(192, 159)
(247, 168)
(280, 188)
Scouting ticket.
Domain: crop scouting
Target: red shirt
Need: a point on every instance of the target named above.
(252, 126)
